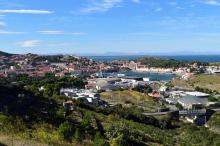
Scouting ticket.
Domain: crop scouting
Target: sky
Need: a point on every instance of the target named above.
(106, 27)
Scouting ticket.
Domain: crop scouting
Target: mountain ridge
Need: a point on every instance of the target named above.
(5, 54)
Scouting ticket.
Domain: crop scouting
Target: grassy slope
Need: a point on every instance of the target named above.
(133, 97)
(187, 134)
(6, 140)
(214, 122)
(205, 81)
(125, 96)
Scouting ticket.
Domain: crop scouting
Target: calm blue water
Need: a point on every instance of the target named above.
(157, 76)
(202, 58)
(152, 76)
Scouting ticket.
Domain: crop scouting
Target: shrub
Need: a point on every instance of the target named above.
(65, 130)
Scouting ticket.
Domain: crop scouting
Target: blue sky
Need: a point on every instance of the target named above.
(108, 26)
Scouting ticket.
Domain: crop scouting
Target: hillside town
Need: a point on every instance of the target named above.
(106, 77)
(61, 65)
(77, 83)
(109, 73)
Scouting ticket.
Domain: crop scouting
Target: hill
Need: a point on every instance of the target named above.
(30, 117)
(214, 122)
(5, 54)
(130, 97)
(211, 82)
(166, 63)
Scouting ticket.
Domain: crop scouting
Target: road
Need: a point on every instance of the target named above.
(216, 109)
(199, 112)
(156, 113)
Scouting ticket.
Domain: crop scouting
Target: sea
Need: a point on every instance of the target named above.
(201, 58)
(150, 75)
(156, 76)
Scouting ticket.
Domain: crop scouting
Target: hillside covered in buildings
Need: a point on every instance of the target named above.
(71, 100)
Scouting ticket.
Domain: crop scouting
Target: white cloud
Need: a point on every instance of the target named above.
(11, 33)
(211, 2)
(58, 32)
(29, 43)
(60, 44)
(10, 4)
(172, 3)
(136, 1)
(27, 11)
(158, 9)
(52, 32)
(102, 6)
(79, 33)
(2, 24)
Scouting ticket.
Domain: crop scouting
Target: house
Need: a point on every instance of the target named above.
(163, 89)
(93, 102)
(103, 83)
(131, 79)
(198, 120)
(171, 100)
(78, 93)
(83, 95)
(68, 105)
(192, 102)
(108, 87)
(176, 94)
(197, 94)
(156, 95)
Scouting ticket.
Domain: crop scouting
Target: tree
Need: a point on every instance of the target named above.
(118, 134)
(65, 130)
(86, 122)
(48, 90)
(56, 89)
(118, 141)
(179, 106)
(212, 98)
(77, 135)
(99, 140)
(143, 89)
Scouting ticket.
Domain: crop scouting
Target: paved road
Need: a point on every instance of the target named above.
(216, 109)
(183, 112)
(156, 113)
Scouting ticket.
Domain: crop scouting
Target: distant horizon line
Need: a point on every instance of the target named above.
(100, 55)
(112, 54)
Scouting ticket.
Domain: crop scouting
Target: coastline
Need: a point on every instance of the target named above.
(152, 75)
(203, 58)
(159, 72)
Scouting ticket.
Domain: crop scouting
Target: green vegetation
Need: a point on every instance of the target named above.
(143, 89)
(99, 140)
(205, 90)
(214, 122)
(125, 96)
(55, 58)
(210, 82)
(166, 63)
(214, 63)
(207, 81)
(213, 99)
(131, 97)
(37, 117)
(65, 130)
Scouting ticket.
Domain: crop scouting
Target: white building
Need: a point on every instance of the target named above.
(193, 102)
(197, 94)
(78, 93)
